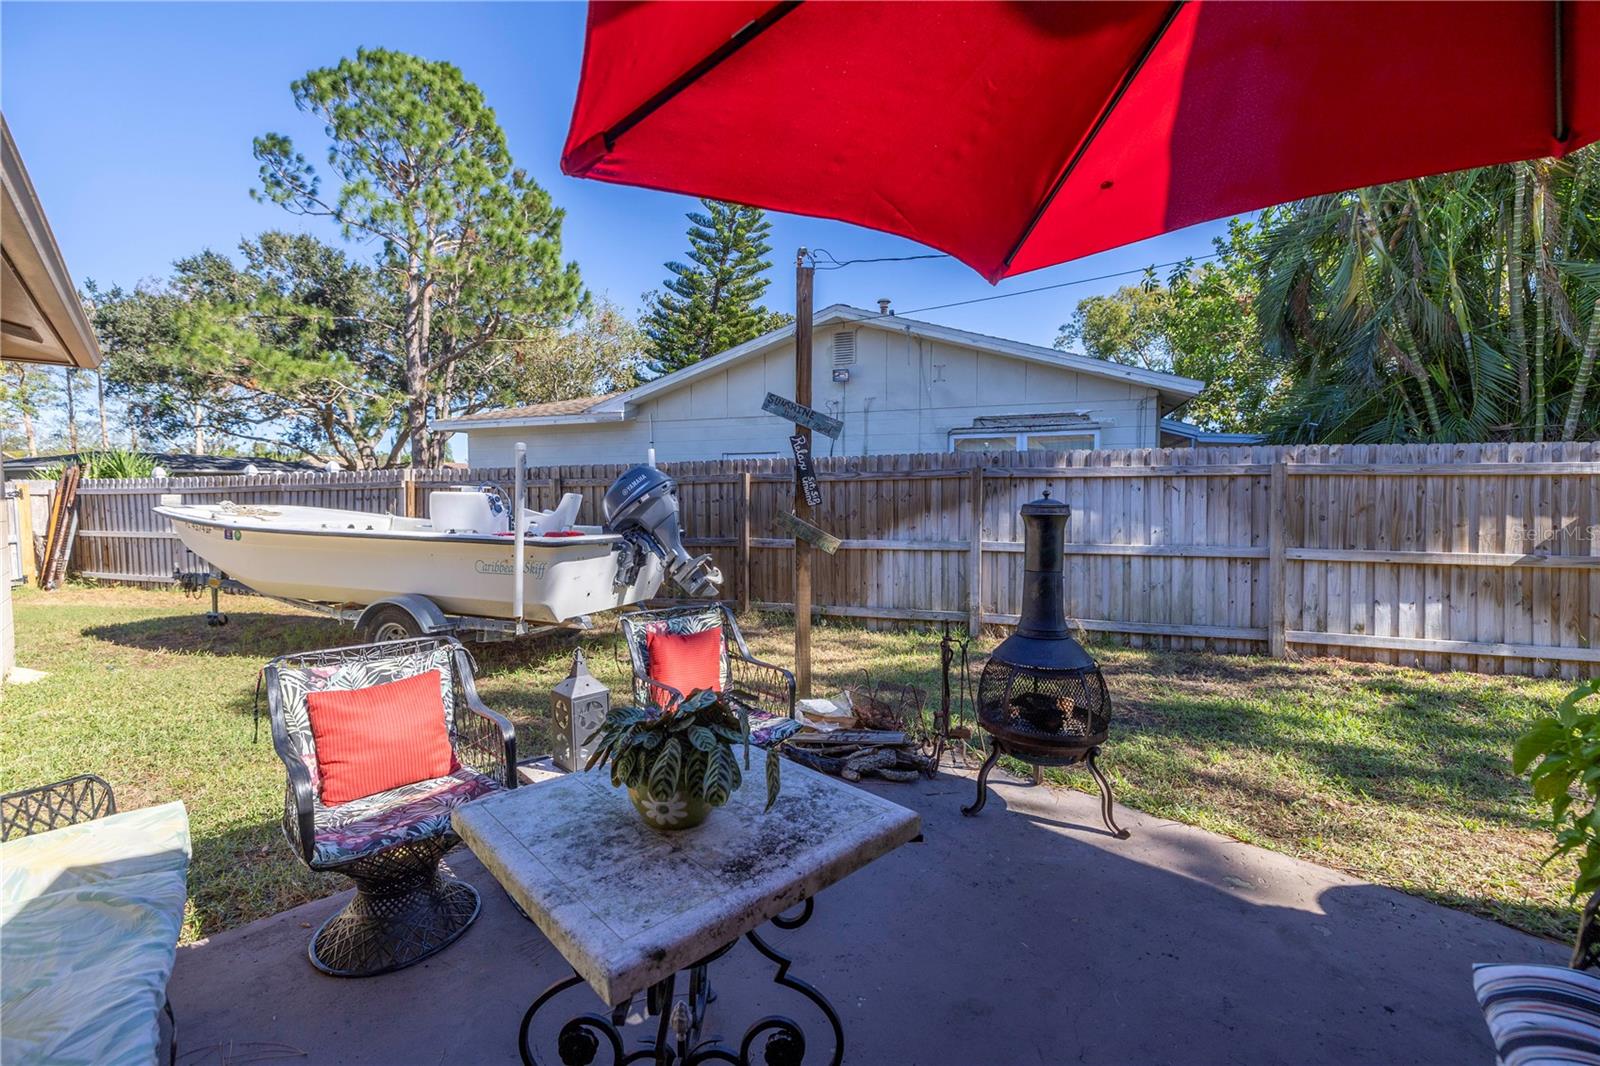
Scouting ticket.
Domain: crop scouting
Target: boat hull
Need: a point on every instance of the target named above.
(465, 575)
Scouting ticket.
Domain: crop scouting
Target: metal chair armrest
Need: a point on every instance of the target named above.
(1586, 951)
(488, 734)
(483, 740)
(783, 689)
(669, 697)
(300, 794)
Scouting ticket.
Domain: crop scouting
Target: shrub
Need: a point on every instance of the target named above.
(1563, 751)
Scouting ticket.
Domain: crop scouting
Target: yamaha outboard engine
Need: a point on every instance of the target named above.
(642, 505)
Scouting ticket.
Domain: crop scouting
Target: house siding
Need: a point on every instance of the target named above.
(905, 394)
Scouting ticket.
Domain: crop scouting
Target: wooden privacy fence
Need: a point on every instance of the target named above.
(1478, 557)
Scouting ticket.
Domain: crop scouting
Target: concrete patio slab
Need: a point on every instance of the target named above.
(1025, 935)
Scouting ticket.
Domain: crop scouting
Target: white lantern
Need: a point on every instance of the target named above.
(579, 704)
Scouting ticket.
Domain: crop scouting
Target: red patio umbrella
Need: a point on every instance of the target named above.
(1018, 135)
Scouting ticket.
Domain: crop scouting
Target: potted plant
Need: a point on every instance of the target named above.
(1562, 750)
(678, 763)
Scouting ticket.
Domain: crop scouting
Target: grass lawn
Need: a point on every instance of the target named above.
(1394, 775)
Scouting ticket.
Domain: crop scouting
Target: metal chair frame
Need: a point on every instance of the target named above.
(81, 798)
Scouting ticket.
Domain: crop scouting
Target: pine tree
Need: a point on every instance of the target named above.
(712, 303)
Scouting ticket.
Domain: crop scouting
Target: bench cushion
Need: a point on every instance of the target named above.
(89, 923)
(1540, 1015)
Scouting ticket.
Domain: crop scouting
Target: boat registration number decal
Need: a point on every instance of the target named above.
(495, 566)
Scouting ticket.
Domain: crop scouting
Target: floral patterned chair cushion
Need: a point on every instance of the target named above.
(766, 729)
(365, 826)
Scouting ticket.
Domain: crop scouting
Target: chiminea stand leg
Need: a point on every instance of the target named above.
(983, 780)
(1105, 796)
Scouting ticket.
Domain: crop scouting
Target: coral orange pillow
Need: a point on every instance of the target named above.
(373, 739)
(686, 661)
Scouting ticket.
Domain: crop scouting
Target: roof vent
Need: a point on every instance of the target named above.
(844, 349)
(883, 305)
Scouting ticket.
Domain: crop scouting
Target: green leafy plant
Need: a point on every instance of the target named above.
(1562, 750)
(117, 463)
(113, 463)
(686, 749)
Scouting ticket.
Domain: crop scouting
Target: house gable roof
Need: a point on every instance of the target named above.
(1171, 387)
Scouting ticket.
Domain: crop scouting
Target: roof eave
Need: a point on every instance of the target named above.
(33, 259)
(457, 425)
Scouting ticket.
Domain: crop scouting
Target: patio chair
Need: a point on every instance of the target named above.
(390, 843)
(765, 691)
(72, 801)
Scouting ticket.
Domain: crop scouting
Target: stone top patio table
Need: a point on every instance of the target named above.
(630, 906)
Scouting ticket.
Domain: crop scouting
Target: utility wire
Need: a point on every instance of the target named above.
(1040, 288)
(835, 264)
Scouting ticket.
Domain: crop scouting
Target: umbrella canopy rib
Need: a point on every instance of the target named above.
(1088, 139)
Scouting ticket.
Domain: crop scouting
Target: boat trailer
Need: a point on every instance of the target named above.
(393, 618)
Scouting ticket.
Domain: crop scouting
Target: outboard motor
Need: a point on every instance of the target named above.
(642, 505)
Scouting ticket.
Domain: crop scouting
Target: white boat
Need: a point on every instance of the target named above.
(462, 559)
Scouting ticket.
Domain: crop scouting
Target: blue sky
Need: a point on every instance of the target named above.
(135, 121)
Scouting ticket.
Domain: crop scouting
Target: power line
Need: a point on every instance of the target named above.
(1057, 285)
(835, 264)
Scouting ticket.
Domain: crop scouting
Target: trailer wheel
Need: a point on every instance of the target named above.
(390, 623)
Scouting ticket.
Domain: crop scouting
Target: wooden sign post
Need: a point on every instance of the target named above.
(803, 277)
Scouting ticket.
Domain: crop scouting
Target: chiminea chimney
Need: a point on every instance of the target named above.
(883, 306)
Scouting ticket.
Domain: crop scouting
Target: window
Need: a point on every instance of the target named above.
(977, 443)
(1049, 440)
(1060, 442)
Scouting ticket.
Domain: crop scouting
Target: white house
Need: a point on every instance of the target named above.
(897, 384)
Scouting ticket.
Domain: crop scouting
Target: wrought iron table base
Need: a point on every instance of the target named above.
(678, 1031)
(996, 749)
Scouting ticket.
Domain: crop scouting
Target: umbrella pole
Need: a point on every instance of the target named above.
(803, 276)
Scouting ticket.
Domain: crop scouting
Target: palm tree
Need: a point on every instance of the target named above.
(1463, 307)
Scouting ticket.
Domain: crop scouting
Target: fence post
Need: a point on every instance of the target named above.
(1277, 572)
(408, 489)
(975, 558)
(742, 550)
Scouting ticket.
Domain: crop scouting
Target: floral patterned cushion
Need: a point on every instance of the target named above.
(362, 827)
(767, 729)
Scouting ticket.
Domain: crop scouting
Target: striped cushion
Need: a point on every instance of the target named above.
(1540, 1015)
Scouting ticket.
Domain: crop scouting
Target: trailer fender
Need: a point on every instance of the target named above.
(427, 613)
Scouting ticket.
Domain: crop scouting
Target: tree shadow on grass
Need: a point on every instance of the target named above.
(250, 634)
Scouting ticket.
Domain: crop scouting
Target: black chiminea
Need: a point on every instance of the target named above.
(1041, 698)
